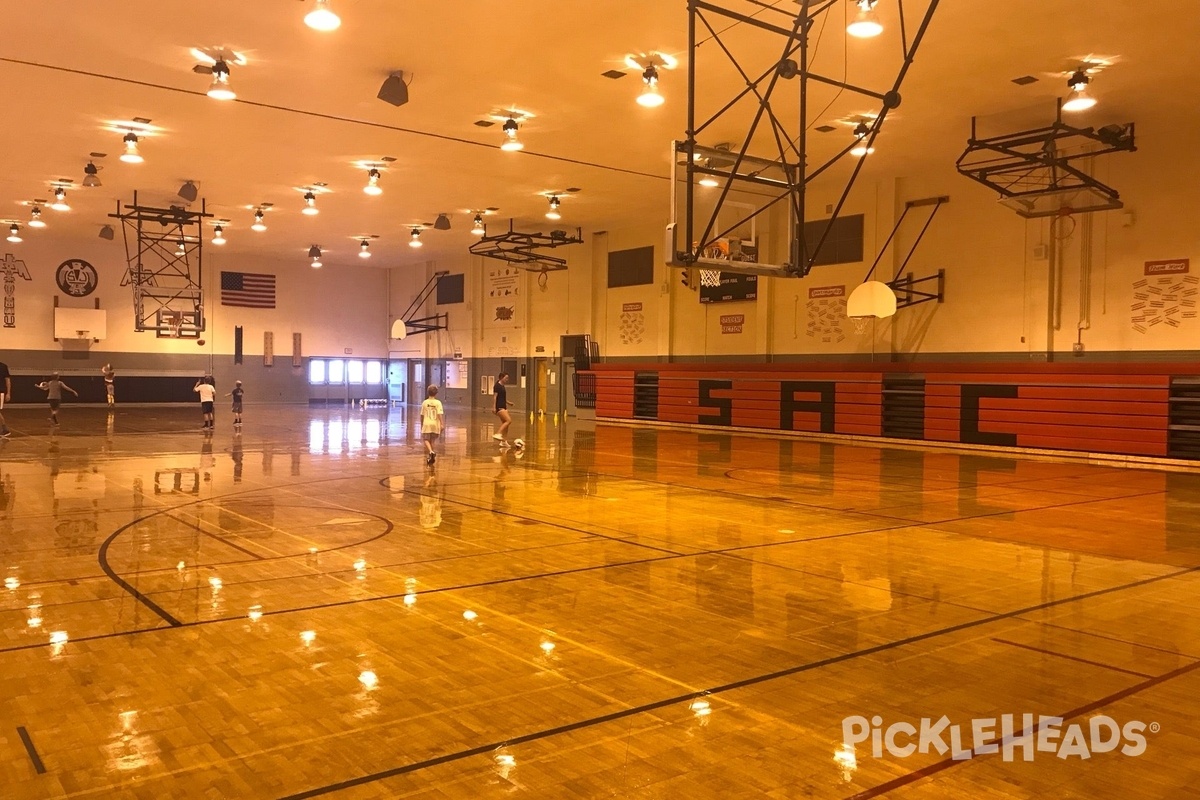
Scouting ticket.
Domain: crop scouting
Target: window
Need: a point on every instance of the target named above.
(316, 371)
(374, 373)
(354, 372)
(337, 370)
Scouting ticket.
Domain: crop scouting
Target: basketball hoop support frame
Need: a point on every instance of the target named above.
(1037, 163)
(782, 180)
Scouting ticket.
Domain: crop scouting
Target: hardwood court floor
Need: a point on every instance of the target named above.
(306, 610)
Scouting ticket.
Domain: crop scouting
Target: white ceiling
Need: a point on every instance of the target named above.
(307, 108)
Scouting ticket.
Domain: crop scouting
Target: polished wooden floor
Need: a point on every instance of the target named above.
(307, 610)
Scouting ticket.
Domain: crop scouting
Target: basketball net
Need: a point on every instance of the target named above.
(860, 324)
(710, 278)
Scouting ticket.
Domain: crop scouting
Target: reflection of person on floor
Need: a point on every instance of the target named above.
(433, 417)
(236, 453)
(54, 389)
(431, 503)
(499, 503)
(109, 390)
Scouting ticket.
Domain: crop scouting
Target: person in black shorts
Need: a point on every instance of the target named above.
(501, 408)
(5, 396)
(236, 394)
(208, 394)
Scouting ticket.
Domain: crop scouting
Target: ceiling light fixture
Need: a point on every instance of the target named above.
(511, 142)
(91, 177)
(321, 18)
(35, 218)
(442, 223)
(861, 131)
(107, 233)
(314, 253)
(220, 89)
(14, 233)
(866, 24)
(364, 249)
(478, 229)
(415, 238)
(650, 96)
(372, 187)
(181, 248)
(258, 225)
(131, 154)
(708, 181)
(310, 204)
(1079, 99)
(218, 235)
(60, 200)
(553, 212)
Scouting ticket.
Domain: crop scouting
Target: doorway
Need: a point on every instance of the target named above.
(541, 372)
(416, 381)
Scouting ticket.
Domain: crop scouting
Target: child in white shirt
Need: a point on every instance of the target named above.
(432, 419)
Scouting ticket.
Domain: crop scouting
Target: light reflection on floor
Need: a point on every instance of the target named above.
(306, 607)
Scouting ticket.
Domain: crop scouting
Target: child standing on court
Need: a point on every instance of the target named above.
(109, 389)
(53, 389)
(433, 416)
(208, 395)
(236, 394)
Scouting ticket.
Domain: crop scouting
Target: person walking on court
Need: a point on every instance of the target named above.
(109, 389)
(236, 394)
(208, 395)
(54, 389)
(433, 417)
(501, 408)
(5, 395)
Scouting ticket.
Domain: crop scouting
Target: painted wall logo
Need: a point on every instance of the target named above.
(12, 269)
(76, 277)
(1099, 734)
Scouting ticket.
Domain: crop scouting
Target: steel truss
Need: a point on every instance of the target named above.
(521, 249)
(164, 253)
(907, 294)
(781, 179)
(419, 325)
(1034, 170)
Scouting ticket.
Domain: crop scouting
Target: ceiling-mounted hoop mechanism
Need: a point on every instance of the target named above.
(779, 177)
(1034, 170)
(521, 249)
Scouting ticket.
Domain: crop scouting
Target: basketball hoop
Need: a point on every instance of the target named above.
(710, 278)
(81, 334)
(860, 324)
(1058, 225)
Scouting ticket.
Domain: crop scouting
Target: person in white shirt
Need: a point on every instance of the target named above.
(432, 418)
(208, 395)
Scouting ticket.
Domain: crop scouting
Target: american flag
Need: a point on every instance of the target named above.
(247, 289)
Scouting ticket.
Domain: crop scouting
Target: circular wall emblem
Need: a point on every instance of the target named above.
(76, 277)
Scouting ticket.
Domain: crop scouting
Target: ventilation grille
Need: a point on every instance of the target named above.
(1183, 432)
(904, 407)
(645, 395)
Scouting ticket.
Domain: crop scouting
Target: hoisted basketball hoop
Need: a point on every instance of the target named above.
(399, 329)
(870, 300)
